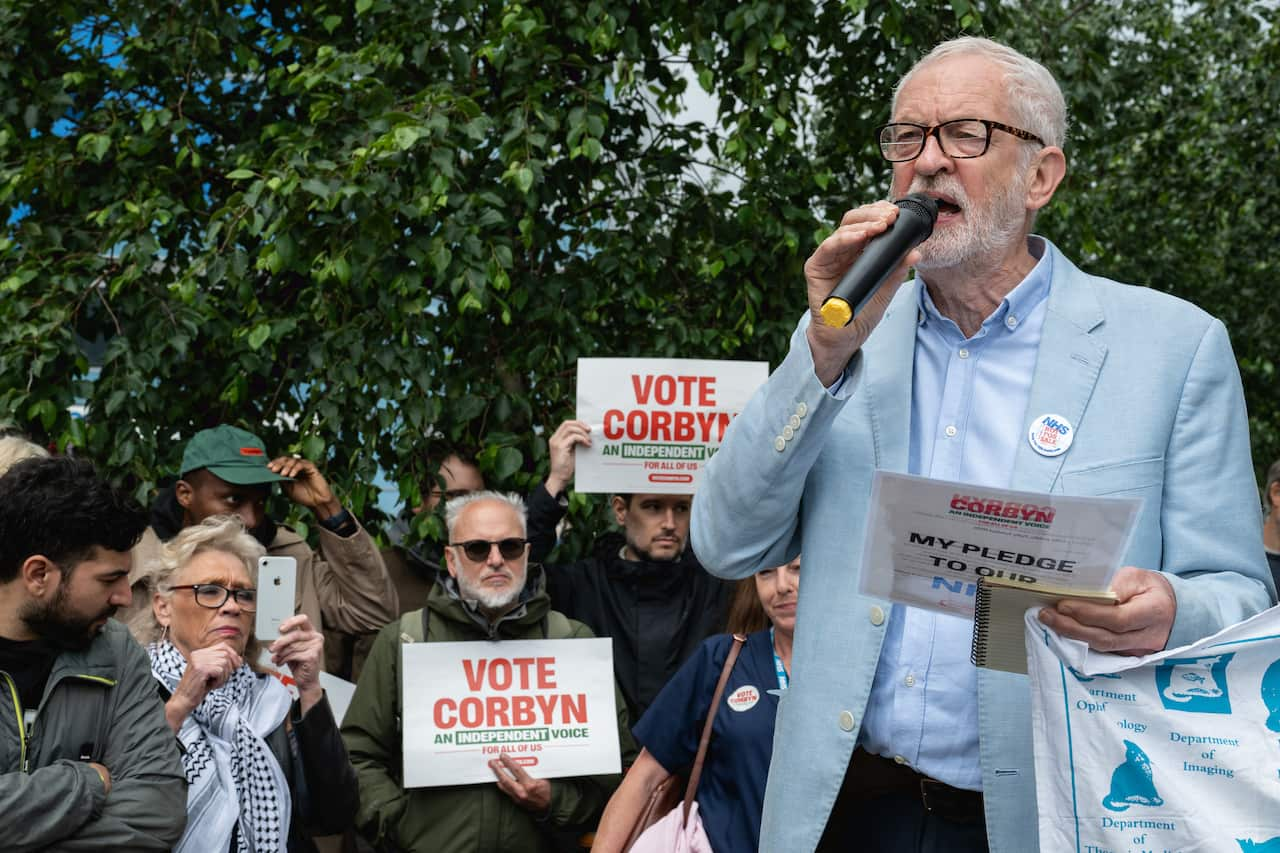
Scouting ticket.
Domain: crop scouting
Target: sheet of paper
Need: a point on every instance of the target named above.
(549, 704)
(928, 541)
(656, 421)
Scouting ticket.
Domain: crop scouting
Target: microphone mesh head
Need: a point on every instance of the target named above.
(922, 207)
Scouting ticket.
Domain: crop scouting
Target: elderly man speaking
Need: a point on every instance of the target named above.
(889, 739)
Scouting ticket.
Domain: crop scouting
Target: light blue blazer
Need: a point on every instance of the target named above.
(1151, 385)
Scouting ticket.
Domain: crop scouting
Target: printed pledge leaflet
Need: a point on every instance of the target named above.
(929, 541)
(1178, 750)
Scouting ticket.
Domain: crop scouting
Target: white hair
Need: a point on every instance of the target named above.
(15, 448)
(223, 533)
(1033, 95)
(453, 509)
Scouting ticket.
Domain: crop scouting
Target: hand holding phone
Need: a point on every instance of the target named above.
(277, 584)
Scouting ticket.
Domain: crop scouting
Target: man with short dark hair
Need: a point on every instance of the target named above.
(1271, 521)
(642, 586)
(86, 759)
(490, 593)
(342, 585)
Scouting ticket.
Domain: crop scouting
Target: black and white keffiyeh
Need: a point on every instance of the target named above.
(232, 777)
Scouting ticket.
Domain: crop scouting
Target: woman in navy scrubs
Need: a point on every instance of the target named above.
(731, 793)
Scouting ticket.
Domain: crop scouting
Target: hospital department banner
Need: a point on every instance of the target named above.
(1177, 751)
(655, 422)
(549, 704)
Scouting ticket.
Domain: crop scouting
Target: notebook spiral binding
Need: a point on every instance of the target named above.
(981, 624)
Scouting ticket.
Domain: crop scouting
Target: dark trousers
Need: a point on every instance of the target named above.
(883, 806)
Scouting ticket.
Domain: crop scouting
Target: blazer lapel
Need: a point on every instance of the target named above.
(888, 364)
(1067, 368)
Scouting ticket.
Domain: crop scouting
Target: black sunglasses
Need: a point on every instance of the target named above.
(477, 550)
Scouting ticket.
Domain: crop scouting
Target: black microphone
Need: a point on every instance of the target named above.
(916, 215)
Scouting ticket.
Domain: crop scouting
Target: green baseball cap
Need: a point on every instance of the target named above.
(232, 454)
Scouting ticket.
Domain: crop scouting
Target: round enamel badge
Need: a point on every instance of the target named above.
(1051, 435)
(744, 698)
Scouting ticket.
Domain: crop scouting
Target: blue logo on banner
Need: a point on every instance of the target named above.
(1196, 685)
(1247, 846)
(1131, 782)
(1271, 697)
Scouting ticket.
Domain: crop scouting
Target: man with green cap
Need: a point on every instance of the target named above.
(342, 585)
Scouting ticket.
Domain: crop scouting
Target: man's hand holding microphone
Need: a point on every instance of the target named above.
(874, 246)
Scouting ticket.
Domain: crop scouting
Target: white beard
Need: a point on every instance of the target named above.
(982, 231)
(488, 599)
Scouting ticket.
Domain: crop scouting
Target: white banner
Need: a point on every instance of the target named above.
(656, 421)
(1178, 750)
(549, 704)
(928, 541)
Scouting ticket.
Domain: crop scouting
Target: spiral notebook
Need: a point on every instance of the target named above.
(998, 627)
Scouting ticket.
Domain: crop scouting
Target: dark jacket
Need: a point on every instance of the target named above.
(464, 818)
(657, 613)
(322, 783)
(99, 705)
(412, 570)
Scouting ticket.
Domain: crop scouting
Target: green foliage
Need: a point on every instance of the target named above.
(370, 231)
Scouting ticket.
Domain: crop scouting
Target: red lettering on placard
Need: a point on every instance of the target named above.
(707, 391)
(445, 714)
(660, 426)
(496, 711)
(642, 390)
(684, 426)
(612, 429)
(522, 710)
(474, 672)
(574, 711)
(546, 673)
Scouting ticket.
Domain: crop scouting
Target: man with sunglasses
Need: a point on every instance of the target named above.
(889, 735)
(342, 585)
(490, 593)
(412, 566)
(86, 760)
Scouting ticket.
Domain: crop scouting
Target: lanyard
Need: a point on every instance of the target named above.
(783, 680)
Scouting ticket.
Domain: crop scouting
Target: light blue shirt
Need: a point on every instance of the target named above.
(968, 406)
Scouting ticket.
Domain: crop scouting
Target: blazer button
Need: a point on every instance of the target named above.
(846, 721)
(802, 409)
(877, 614)
(779, 444)
(788, 433)
(794, 422)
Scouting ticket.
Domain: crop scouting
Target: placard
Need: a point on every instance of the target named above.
(655, 422)
(549, 704)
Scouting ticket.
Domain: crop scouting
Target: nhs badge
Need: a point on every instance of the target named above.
(1051, 435)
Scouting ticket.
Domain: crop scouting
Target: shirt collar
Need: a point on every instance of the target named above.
(1017, 303)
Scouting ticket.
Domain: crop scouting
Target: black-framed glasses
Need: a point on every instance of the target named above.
(213, 596)
(477, 550)
(960, 139)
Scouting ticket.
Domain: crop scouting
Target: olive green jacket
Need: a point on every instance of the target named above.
(99, 705)
(464, 818)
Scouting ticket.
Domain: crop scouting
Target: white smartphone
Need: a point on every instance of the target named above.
(277, 582)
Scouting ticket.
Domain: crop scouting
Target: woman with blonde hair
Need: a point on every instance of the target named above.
(265, 772)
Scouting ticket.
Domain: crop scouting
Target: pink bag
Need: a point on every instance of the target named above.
(680, 830)
(674, 834)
